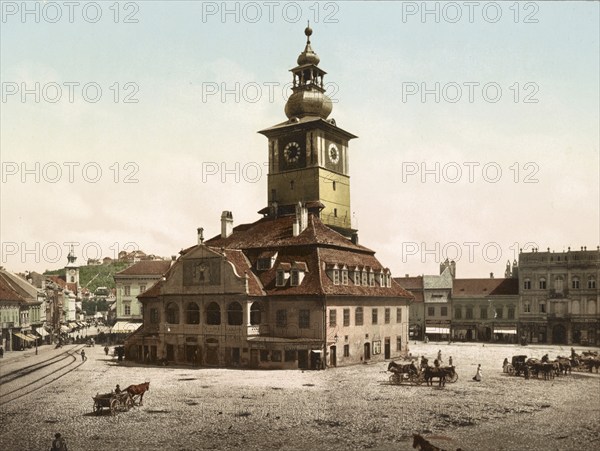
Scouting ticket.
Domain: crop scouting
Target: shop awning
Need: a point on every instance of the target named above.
(42, 332)
(31, 336)
(437, 330)
(64, 329)
(124, 327)
(23, 337)
(499, 330)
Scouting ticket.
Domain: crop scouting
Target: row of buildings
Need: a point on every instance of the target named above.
(545, 297)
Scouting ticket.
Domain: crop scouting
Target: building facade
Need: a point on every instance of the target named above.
(293, 289)
(560, 296)
(129, 284)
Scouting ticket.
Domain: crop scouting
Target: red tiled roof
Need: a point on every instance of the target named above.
(72, 287)
(410, 283)
(243, 267)
(146, 268)
(59, 281)
(8, 291)
(152, 292)
(485, 287)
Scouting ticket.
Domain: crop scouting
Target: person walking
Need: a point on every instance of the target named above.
(59, 443)
(479, 374)
(83, 357)
(439, 356)
(450, 361)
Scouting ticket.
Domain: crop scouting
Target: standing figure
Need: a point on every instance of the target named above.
(106, 350)
(117, 389)
(59, 443)
(450, 361)
(83, 357)
(505, 365)
(440, 356)
(479, 374)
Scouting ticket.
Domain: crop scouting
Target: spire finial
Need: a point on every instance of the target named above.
(308, 31)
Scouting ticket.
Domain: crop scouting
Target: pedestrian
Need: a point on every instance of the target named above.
(59, 443)
(117, 389)
(106, 350)
(1, 352)
(450, 361)
(505, 366)
(440, 356)
(83, 357)
(479, 374)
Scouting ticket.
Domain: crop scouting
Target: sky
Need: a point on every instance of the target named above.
(129, 125)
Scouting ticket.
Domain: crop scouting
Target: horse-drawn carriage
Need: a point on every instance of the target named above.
(405, 373)
(518, 366)
(120, 400)
(113, 402)
(417, 375)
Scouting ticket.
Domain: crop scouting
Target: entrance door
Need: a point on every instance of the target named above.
(367, 351)
(254, 358)
(332, 356)
(387, 349)
(190, 353)
(170, 353)
(235, 356)
(559, 334)
(212, 351)
(303, 360)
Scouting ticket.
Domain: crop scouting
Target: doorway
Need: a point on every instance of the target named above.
(303, 360)
(367, 348)
(332, 356)
(559, 334)
(387, 348)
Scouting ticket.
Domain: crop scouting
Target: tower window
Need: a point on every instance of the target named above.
(334, 185)
(335, 212)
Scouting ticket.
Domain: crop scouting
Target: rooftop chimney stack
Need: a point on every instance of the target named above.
(491, 275)
(226, 224)
(301, 220)
(200, 236)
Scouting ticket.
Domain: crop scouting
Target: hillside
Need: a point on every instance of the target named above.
(92, 277)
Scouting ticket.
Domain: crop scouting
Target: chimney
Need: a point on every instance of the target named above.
(200, 236)
(406, 275)
(301, 220)
(226, 224)
(491, 275)
(173, 259)
(354, 238)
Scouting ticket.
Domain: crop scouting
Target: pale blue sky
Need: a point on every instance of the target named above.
(370, 53)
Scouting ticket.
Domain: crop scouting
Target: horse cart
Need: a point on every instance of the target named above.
(113, 402)
(405, 373)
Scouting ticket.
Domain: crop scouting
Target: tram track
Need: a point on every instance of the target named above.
(9, 393)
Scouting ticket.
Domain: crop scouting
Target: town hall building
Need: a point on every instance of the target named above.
(294, 289)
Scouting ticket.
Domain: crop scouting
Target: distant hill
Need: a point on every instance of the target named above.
(92, 277)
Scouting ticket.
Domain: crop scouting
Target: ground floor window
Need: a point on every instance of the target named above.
(346, 350)
(398, 343)
(276, 356)
(290, 356)
(264, 355)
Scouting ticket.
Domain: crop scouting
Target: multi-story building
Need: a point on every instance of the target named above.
(416, 320)
(485, 309)
(560, 296)
(437, 296)
(130, 283)
(20, 310)
(293, 289)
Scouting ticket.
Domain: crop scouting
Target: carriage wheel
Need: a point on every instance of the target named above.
(452, 378)
(114, 404)
(395, 379)
(419, 379)
(97, 408)
(511, 370)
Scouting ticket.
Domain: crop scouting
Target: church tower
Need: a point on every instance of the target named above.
(308, 153)
(72, 270)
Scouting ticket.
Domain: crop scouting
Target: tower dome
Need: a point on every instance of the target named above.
(308, 92)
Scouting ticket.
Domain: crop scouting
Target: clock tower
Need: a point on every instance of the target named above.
(72, 270)
(308, 153)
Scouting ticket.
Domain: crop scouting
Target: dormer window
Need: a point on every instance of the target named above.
(381, 279)
(356, 276)
(266, 260)
(333, 272)
(299, 269)
(295, 280)
(364, 277)
(344, 275)
(280, 279)
(371, 278)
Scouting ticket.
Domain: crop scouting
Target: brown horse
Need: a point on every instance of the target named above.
(138, 390)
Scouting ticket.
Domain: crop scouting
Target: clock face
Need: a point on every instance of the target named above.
(72, 272)
(334, 153)
(291, 152)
